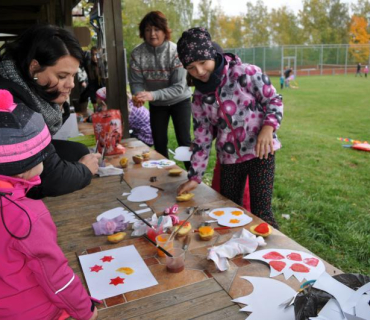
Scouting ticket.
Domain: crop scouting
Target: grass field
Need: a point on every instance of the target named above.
(324, 187)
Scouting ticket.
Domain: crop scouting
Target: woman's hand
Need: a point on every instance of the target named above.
(265, 142)
(91, 161)
(144, 96)
(187, 187)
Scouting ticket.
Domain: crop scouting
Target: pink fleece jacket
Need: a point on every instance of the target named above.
(35, 279)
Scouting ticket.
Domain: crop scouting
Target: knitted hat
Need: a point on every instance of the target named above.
(24, 137)
(102, 94)
(195, 44)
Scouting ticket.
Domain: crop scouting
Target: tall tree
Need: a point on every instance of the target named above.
(256, 24)
(284, 27)
(231, 33)
(359, 35)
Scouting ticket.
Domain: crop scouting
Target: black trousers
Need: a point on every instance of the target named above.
(159, 119)
(261, 183)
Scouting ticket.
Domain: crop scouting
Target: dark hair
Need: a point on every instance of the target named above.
(155, 19)
(46, 44)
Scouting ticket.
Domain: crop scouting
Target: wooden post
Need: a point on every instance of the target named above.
(116, 88)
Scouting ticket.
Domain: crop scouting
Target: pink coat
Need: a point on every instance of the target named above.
(35, 279)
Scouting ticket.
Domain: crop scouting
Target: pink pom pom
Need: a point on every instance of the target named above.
(6, 101)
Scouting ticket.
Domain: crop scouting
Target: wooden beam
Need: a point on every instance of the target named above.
(116, 89)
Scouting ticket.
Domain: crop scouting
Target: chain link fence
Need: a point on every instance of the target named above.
(306, 60)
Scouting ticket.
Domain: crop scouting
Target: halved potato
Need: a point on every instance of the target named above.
(185, 197)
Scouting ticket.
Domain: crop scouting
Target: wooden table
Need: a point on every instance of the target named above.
(200, 291)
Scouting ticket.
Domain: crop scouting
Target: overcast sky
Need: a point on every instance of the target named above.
(235, 7)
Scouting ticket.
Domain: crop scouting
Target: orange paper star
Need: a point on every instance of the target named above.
(117, 281)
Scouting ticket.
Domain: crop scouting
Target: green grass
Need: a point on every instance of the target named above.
(324, 187)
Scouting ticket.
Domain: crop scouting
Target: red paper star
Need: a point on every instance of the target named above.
(117, 281)
(107, 259)
(96, 268)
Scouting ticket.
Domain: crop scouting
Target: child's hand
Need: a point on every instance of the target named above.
(265, 142)
(187, 187)
(137, 102)
(145, 96)
(95, 314)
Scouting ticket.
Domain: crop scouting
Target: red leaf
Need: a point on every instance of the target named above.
(313, 262)
(273, 255)
(298, 267)
(277, 265)
(294, 256)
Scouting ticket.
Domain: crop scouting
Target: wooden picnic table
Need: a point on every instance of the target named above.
(200, 291)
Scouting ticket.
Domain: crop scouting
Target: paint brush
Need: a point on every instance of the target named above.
(174, 232)
(157, 187)
(96, 146)
(142, 219)
(158, 246)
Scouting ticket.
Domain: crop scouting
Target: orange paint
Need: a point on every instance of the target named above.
(234, 221)
(218, 213)
(237, 213)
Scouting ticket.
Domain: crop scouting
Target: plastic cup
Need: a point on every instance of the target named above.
(161, 240)
(176, 263)
(152, 234)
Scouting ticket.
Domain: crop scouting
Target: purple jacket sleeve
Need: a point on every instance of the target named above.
(51, 269)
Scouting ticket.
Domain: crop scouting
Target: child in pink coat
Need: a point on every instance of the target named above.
(35, 279)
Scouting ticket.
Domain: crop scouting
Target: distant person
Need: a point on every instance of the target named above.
(35, 279)
(287, 73)
(366, 71)
(95, 75)
(156, 75)
(282, 81)
(237, 103)
(358, 70)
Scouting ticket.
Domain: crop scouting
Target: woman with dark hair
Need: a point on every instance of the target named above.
(157, 75)
(38, 68)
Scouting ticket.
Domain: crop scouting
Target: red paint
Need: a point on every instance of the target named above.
(117, 281)
(262, 228)
(298, 267)
(277, 265)
(96, 268)
(294, 256)
(313, 262)
(273, 255)
(107, 259)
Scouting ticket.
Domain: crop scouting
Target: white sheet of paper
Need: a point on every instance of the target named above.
(142, 193)
(283, 261)
(100, 281)
(111, 214)
(264, 302)
(69, 128)
(163, 163)
(125, 194)
(143, 211)
(227, 215)
(143, 205)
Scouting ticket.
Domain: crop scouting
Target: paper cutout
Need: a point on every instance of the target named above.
(163, 163)
(230, 217)
(96, 268)
(142, 193)
(107, 282)
(280, 261)
(353, 304)
(111, 214)
(143, 210)
(143, 205)
(264, 302)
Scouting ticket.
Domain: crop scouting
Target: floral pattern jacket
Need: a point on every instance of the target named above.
(234, 114)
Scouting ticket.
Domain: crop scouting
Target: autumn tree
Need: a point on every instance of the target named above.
(256, 24)
(359, 35)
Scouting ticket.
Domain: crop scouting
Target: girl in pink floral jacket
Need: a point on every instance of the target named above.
(236, 103)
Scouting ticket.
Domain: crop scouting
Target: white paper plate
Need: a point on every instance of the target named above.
(227, 212)
(242, 221)
(183, 154)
